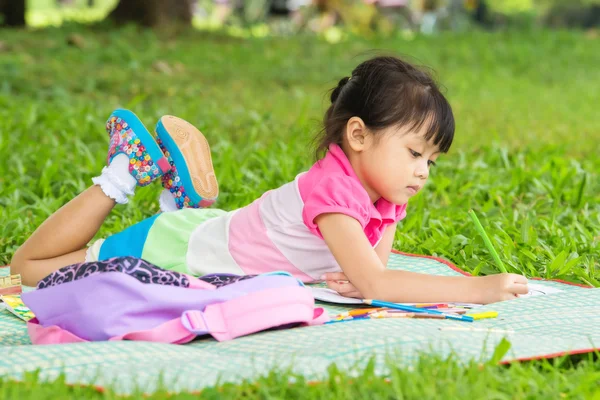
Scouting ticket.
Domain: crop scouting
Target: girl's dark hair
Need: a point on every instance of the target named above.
(387, 91)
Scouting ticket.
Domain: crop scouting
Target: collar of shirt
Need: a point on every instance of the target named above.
(382, 210)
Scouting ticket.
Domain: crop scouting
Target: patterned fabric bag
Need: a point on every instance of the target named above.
(126, 298)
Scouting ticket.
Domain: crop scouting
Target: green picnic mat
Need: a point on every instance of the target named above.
(540, 326)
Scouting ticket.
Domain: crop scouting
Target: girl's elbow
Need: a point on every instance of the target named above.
(372, 290)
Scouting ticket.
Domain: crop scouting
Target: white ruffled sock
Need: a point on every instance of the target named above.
(116, 181)
(167, 201)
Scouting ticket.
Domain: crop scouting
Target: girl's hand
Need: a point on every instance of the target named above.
(500, 287)
(340, 283)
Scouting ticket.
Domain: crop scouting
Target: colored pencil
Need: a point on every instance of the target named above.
(347, 319)
(378, 303)
(431, 305)
(359, 311)
(487, 241)
(387, 314)
(429, 316)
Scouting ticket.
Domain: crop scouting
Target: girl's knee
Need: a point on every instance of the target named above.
(18, 265)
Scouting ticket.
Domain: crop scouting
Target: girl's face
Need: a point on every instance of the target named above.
(396, 166)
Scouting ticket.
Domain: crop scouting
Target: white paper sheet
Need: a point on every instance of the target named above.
(331, 296)
(535, 289)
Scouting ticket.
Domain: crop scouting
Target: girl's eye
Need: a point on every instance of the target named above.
(414, 153)
(431, 163)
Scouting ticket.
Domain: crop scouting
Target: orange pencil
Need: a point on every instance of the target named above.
(358, 311)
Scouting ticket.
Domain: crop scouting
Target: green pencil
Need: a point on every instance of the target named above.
(487, 241)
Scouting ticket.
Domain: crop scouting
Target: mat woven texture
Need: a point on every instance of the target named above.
(542, 326)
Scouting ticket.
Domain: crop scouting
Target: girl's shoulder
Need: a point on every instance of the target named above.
(333, 174)
(331, 185)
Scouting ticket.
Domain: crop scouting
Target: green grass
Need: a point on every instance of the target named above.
(430, 378)
(525, 156)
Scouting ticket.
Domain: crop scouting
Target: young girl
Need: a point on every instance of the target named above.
(385, 128)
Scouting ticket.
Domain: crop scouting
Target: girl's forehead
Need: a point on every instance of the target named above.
(416, 138)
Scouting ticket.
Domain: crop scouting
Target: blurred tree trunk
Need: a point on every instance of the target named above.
(153, 13)
(12, 12)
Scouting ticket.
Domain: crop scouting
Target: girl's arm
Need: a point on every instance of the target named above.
(365, 270)
(338, 281)
(384, 247)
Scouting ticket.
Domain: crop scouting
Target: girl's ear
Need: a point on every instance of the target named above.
(357, 134)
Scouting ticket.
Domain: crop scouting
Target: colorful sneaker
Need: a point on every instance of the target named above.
(191, 180)
(129, 136)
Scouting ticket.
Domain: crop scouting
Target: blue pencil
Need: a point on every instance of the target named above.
(347, 319)
(378, 303)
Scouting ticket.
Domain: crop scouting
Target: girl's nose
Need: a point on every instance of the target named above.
(422, 171)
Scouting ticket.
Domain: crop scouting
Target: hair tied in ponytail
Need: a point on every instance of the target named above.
(336, 92)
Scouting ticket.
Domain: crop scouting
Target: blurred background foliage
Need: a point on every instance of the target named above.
(333, 19)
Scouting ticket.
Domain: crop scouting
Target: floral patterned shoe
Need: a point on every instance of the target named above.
(129, 136)
(191, 180)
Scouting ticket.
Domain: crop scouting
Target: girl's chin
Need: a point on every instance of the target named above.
(399, 199)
